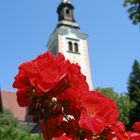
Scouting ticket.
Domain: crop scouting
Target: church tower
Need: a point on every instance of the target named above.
(69, 40)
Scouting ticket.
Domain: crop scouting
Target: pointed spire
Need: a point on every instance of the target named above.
(66, 1)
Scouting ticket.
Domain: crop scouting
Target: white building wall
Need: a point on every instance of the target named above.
(82, 58)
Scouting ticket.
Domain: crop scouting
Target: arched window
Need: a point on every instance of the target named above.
(67, 12)
(76, 47)
(70, 46)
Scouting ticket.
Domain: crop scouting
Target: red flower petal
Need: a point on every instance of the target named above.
(136, 127)
(23, 98)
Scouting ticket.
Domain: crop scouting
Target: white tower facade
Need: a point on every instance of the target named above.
(69, 40)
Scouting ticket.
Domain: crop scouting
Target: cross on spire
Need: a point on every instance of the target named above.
(66, 1)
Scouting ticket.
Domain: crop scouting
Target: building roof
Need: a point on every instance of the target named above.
(9, 101)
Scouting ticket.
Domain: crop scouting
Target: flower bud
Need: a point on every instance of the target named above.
(54, 100)
(57, 109)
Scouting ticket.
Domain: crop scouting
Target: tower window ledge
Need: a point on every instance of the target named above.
(73, 52)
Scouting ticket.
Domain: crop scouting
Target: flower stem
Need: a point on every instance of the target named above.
(46, 129)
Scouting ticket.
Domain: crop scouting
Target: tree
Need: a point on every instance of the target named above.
(15, 133)
(6, 118)
(11, 129)
(109, 92)
(134, 92)
(125, 106)
(133, 10)
(122, 101)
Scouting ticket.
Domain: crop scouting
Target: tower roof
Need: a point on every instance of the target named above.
(65, 12)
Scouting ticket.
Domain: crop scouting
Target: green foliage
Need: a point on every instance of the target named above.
(109, 92)
(14, 133)
(7, 118)
(133, 10)
(11, 129)
(134, 92)
(134, 82)
(122, 101)
(125, 107)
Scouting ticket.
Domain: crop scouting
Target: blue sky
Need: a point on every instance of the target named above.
(114, 43)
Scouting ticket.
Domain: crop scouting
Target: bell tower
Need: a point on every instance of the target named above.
(65, 12)
(69, 40)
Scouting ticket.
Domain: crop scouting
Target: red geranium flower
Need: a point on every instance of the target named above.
(54, 129)
(133, 135)
(57, 91)
(70, 100)
(46, 77)
(99, 113)
(71, 128)
(23, 97)
(136, 127)
(63, 137)
(118, 130)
